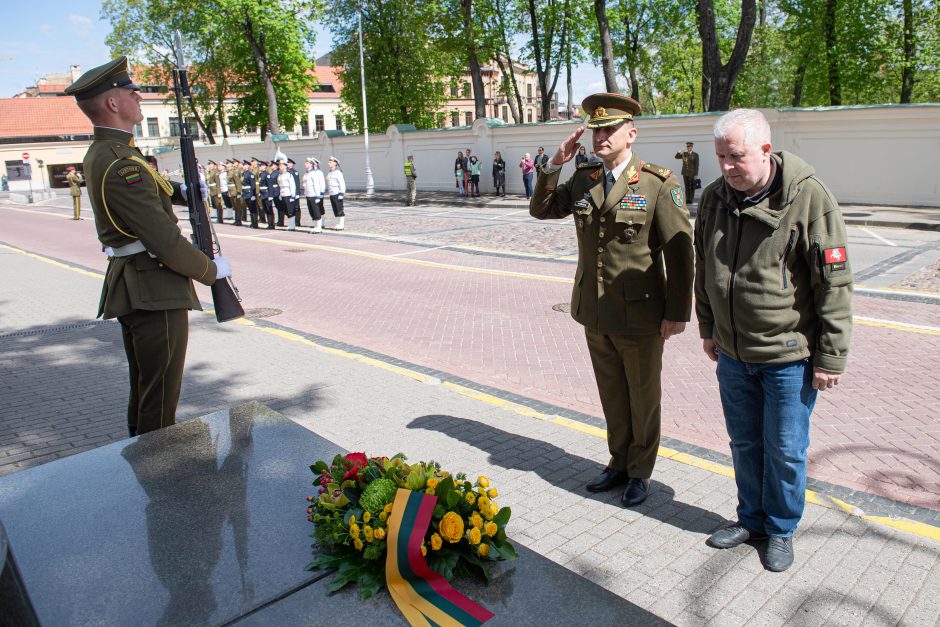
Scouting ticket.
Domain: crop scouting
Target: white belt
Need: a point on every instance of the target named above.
(131, 249)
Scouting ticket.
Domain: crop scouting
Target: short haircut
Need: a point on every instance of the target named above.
(751, 121)
(92, 107)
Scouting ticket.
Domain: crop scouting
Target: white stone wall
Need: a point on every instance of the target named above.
(888, 155)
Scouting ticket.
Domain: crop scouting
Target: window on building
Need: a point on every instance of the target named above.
(319, 123)
(153, 127)
(138, 130)
(193, 127)
(528, 90)
(467, 118)
(505, 113)
(466, 90)
(304, 127)
(455, 118)
(339, 123)
(174, 127)
(153, 89)
(453, 90)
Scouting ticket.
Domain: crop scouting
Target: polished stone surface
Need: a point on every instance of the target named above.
(196, 524)
(16, 610)
(529, 591)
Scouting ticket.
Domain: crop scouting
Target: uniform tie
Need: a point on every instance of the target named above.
(608, 183)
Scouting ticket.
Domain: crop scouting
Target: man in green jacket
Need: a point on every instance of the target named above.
(148, 285)
(633, 286)
(773, 290)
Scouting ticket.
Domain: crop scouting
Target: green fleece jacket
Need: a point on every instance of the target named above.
(773, 282)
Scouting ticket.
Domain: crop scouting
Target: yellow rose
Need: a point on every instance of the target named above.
(488, 514)
(474, 536)
(424, 550)
(367, 516)
(451, 527)
(383, 516)
(379, 534)
(490, 529)
(354, 531)
(483, 503)
(367, 532)
(494, 508)
(483, 550)
(492, 493)
(436, 542)
(358, 544)
(475, 520)
(471, 498)
(481, 491)
(432, 483)
(483, 482)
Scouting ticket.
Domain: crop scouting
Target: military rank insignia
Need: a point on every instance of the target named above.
(836, 258)
(634, 202)
(677, 196)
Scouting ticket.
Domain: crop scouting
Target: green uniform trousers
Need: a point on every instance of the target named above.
(628, 369)
(155, 344)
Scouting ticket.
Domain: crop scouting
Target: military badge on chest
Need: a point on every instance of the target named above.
(582, 211)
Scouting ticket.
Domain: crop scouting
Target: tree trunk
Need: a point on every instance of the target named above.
(721, 77)
(510, 89)
(631, 39)
(220, 114)
(570, 85)
(607, 47)
(798, 81)
(835, 80)
(476, 76)
(257, 49)
(907, 69)
(543, 64)
(199, 121)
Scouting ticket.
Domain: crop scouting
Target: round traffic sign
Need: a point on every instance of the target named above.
(25, 156)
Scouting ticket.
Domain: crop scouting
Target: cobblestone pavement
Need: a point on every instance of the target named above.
(427, 287)
(63, 382)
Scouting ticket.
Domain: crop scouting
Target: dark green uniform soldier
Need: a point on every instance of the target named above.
(689, 170)
(213, 183)
(630, 218)
(148, 285)
(75, 181)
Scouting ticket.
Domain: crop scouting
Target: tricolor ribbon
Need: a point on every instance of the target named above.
(423, 596)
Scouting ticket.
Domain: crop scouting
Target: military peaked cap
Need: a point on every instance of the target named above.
(607, 109)
(100, 79)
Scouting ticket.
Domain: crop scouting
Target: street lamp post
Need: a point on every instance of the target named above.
(370, 184)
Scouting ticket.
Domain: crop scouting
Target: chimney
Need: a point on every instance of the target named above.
(74, 72)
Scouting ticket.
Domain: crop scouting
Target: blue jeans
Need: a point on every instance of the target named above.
(527, 182)
(767, 409)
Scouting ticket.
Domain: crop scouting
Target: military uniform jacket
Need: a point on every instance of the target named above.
(248, 185)
(689, 163)
(234, 176)
(75, 183)
(213, 182)
(621, 284)
(133, 203)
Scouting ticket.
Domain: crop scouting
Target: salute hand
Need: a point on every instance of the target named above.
(568, 148)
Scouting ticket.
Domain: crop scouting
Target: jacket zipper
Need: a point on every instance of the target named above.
(734, 269)
(786, 254)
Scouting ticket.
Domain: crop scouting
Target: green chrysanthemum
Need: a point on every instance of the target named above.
(378, 494)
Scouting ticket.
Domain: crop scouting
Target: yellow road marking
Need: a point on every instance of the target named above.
(902, 524)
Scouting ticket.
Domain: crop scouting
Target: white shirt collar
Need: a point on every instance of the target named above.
(620, 168)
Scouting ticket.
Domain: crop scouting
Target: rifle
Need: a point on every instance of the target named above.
(225, 295)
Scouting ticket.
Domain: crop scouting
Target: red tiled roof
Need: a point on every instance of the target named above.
(32, 117)
(325, 75)
(52, 88)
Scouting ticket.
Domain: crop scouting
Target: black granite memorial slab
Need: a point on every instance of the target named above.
(528, 591)
(196, 524)
(16, 610)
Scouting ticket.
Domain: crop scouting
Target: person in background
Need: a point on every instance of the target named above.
(466, 171)
(212, 182)
(287, 192)
(499, 174)
(336, 186)
(248, 193)
(291, 167)
(411, 180)
(272, 196)
(541, 159)
(528, 171)
(314, 188)
(475, 175)
(75, 190)
(581, 157)
(689, 160)
(459, 170)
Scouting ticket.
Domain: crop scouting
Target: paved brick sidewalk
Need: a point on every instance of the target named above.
(63, 378)
(489, 319)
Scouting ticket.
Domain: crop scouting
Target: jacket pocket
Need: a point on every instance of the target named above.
(644, 302)
(832, 273)
(576, 291)
(157, 284)
(786, 256)
(629, 224)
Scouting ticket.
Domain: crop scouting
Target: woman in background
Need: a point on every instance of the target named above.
(460, 166)
(336, 185)
(474, 176)
(499, 174)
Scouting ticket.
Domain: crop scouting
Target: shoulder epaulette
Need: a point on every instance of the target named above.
(589, 164)
(661, 172)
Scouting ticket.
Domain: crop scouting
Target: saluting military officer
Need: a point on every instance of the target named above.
(75, 181)
(689, 170)
(630, 217)
(148, 285)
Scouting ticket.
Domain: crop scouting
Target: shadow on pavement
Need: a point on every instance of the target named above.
(64, 385)
(565, 470)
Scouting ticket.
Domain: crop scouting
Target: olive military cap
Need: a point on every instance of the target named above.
(606, 109)
(100, 79)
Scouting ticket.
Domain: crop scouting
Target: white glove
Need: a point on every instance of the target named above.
(108, 251)
(252, 198)
(222, 268)
(340, 196)
(320, 197)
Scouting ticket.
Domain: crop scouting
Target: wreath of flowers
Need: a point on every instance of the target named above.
(354, 502)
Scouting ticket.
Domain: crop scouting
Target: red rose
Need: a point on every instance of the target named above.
(358, 460)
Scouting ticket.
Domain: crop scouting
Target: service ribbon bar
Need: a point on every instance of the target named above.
(636, 202)
(424, 597)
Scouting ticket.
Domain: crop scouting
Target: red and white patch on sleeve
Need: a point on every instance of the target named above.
(835, 255)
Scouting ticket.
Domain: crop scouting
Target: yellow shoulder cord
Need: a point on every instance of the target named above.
(163, 184)
(104, 201)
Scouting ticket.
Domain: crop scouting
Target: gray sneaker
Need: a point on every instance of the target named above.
(731, 536)
(778, 555)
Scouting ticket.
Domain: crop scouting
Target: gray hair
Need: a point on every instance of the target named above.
(751, 121)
